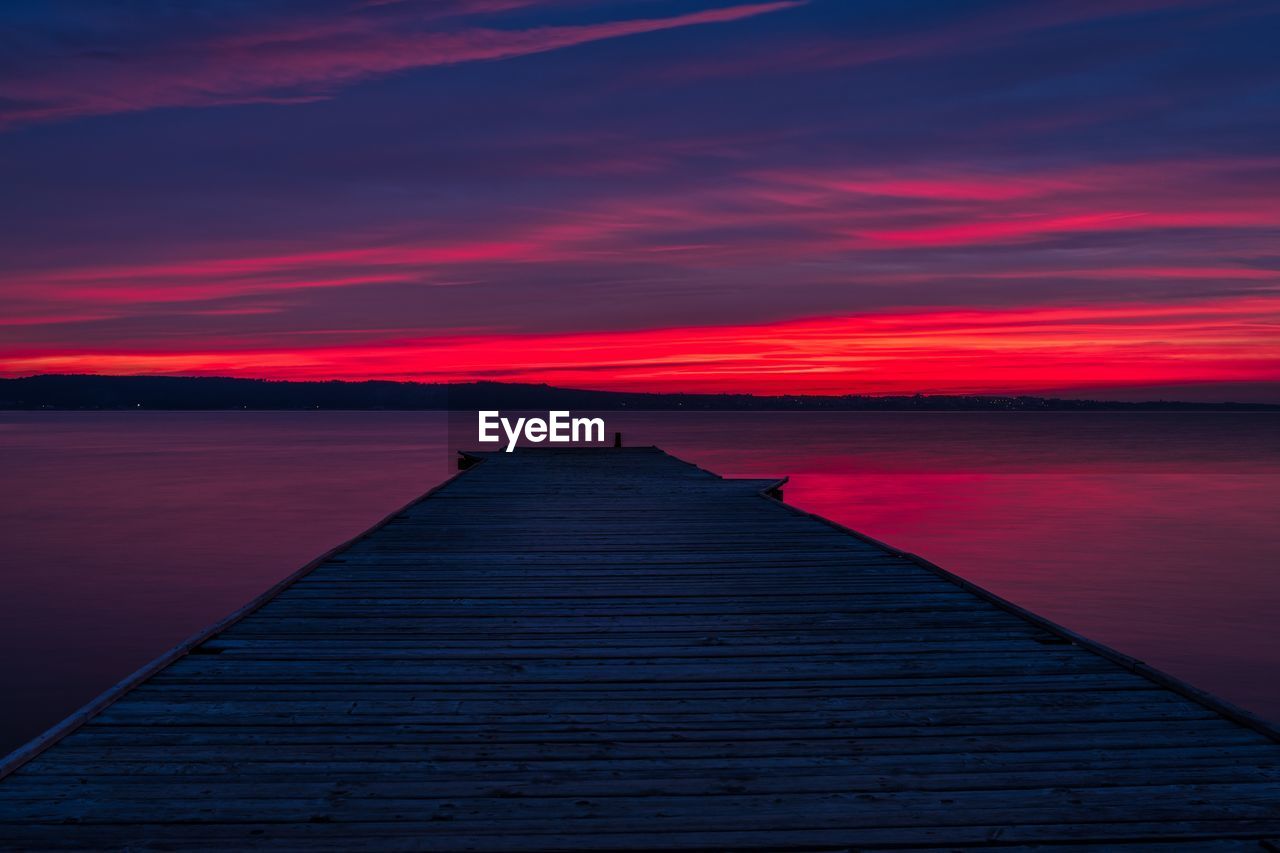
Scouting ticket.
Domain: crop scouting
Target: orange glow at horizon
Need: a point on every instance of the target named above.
(933, 351)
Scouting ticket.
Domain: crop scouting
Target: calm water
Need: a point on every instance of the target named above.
(123, 533)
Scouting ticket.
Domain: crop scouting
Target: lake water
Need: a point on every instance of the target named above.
(122, 533)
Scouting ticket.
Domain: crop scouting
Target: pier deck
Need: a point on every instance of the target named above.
(615, 650)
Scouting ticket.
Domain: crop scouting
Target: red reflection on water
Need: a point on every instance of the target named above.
(1177, 569)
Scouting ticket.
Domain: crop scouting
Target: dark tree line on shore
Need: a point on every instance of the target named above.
(86, 392)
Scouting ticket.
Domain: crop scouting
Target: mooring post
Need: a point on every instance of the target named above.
(617, 439)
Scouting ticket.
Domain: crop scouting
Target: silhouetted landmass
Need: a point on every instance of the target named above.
(80, 392)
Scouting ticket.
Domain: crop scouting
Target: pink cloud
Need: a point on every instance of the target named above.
(305, 61)
(982, 232)
(954, 206)
(967, 232)
(843, 225)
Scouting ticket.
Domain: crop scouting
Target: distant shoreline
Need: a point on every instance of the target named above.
(70, 392)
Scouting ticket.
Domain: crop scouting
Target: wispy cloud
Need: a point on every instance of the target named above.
(862, 225)
(299, 61)
(1053, 348)
(971, 31)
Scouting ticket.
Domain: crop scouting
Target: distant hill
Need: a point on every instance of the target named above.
(84, 392)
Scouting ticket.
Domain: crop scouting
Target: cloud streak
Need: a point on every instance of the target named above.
(306, 61)
(832, 235)
(1044, 349)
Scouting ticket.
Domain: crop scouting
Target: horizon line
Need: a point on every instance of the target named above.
(988, 395)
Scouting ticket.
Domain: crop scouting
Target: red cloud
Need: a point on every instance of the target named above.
(947, 351)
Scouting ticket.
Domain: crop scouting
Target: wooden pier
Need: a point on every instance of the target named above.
(612, 649)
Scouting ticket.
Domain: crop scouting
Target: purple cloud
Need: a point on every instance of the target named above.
(301, 61)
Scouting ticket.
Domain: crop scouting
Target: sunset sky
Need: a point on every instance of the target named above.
(831, 196)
